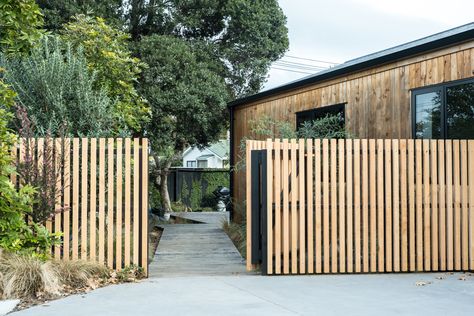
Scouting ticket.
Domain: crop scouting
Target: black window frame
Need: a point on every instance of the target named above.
(441, 87)
(320, 112)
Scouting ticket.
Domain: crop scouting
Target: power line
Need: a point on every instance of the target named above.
(289, 70)
(293, 66)
(309, 59)
(300, 64)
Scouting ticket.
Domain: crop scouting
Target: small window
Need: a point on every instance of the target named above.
(202, 164)
(314, 114)
(428, 114)
(444, 111)
(191, 164)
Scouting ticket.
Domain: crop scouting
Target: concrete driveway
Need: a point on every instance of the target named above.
(383, 294)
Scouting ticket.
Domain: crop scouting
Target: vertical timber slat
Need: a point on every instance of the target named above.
(269, 207)
(84, 195)
(119, 200)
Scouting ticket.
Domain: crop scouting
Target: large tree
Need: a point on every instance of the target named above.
(187, 99)
(58, 12)
(201, 53)
(244, 36)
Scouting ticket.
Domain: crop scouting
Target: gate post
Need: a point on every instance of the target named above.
(259, 208)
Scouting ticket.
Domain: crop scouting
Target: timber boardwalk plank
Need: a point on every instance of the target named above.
(195, 249)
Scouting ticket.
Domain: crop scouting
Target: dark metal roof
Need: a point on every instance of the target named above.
(432, 42)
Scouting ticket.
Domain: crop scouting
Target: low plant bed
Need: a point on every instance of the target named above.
(154, 240)
(36, 281)
(237, 233)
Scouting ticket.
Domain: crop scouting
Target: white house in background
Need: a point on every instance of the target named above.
(214, 156)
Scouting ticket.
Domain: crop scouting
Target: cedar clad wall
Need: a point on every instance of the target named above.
(378, 99)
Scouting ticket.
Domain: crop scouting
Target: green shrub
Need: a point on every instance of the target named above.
(200, 195)
(179, 206)
(185, 193)
(20, 25)
(212, 180)
(107, 53)
(57, 89)
(15, 204)
(155, 197)
(267, 128)
(131, 273)
(195, 195)
(327, 127)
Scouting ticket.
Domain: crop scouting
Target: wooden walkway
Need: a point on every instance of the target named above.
(196, 249)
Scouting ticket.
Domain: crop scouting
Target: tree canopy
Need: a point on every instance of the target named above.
(20, 25)
(242, 37)
(187, 98)
(188, 101)
(107, 52)
(58, 12)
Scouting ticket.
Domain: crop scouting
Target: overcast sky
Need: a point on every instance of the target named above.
(340, 30)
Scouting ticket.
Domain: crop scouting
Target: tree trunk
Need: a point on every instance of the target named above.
(165, 197)
(161, 173)
(135, 15)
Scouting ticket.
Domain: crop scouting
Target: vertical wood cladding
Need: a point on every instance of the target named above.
(378, 99)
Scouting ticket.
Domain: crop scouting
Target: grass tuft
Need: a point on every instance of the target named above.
(78, 273)
(25, 276)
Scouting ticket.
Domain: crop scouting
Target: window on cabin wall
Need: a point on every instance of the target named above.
(444, 111)
(202, 164)
(321, 112)
(191, 164)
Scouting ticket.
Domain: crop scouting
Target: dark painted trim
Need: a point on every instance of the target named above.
(263, 212)
(200, 170)
(256, 206)
(433, 42)
(342, 105)
(431, 88)
(231, 162)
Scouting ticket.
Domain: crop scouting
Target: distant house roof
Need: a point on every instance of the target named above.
(436, 41)
(221, 148)
(204, 157)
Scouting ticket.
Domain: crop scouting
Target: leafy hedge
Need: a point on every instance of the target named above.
(196, 193)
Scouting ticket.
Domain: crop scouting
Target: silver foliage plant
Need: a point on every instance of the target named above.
(57, 90)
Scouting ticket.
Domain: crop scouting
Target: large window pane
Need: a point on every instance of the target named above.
(428, 115)
(460, 111)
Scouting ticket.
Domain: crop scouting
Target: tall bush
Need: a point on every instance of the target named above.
(56, 87)
(107, 53)
(45, 176)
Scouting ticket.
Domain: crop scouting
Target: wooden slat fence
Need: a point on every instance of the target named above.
(366, 205)
(101, 203)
